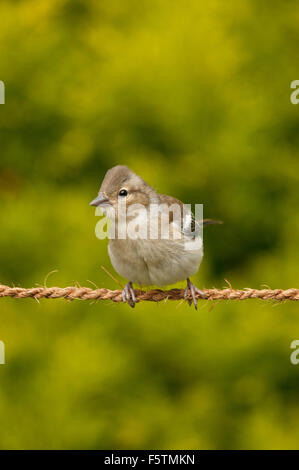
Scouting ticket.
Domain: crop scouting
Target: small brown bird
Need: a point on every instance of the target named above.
(143, 257)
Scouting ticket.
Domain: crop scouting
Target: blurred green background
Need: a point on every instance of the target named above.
(195, 97)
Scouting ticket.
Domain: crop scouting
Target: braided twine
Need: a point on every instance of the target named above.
(156, 295)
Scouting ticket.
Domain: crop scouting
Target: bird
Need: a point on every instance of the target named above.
(145, 260)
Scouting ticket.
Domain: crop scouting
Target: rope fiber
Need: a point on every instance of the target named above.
(156, 295)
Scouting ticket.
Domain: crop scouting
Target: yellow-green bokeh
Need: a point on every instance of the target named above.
(195, 97)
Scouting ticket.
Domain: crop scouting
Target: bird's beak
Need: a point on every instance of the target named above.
(100, 199)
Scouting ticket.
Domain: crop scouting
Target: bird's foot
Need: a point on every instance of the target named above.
(128, 295)
(192, 289)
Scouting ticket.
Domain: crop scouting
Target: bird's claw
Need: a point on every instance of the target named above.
(128, 295)
(193, 290)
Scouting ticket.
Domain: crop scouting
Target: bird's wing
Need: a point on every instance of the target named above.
(189, 225)
(183, 218)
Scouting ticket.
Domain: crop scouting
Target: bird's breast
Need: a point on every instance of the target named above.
(159, 262)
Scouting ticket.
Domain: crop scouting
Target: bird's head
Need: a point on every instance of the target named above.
(119, 185)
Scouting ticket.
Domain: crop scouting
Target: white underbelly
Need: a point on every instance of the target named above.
(159, 262)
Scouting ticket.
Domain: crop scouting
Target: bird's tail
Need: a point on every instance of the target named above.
(211, 222)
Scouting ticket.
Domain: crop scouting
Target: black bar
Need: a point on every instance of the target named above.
(154, 458)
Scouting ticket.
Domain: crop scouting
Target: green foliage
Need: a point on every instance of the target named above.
(194, 96)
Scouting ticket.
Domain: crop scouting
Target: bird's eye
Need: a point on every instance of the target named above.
(123, 192)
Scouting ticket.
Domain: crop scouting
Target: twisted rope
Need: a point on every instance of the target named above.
(156, 295)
